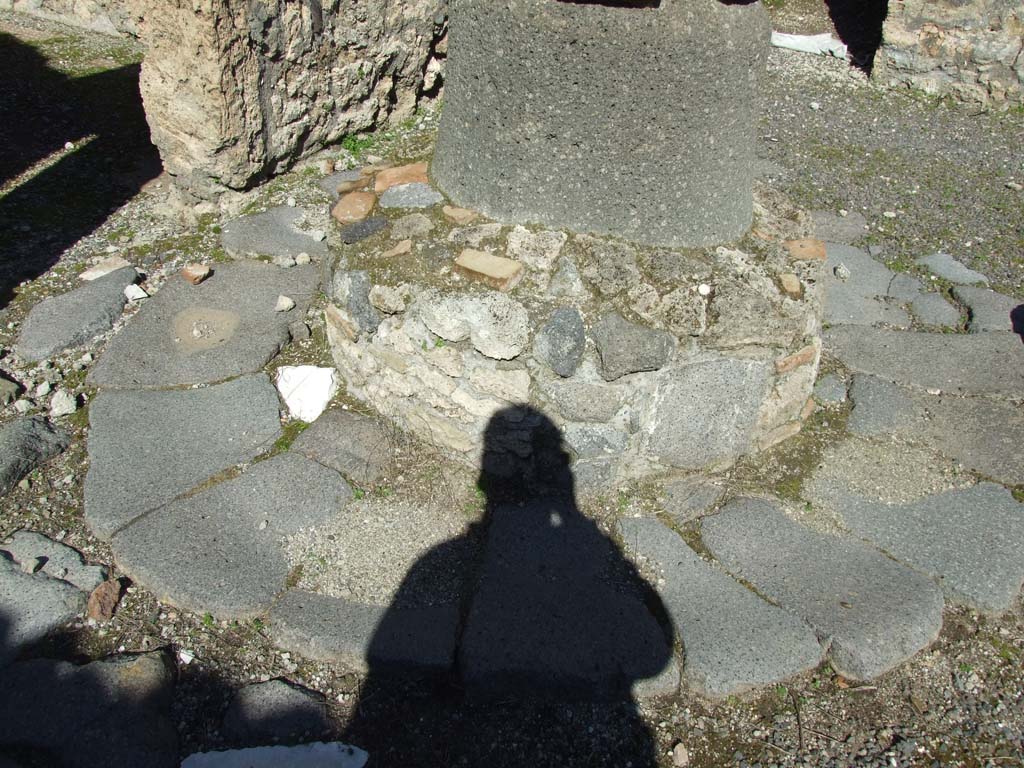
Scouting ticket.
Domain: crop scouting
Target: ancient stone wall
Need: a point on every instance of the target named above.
(971, 50)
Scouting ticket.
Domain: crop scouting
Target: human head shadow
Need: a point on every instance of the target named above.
(102, 115)
(554, 633)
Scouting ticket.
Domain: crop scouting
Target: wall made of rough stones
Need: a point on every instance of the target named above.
(971, 50)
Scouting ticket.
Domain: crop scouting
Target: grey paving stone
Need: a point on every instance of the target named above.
(733, 640)
(558, 609)
(114, 712)
(707, 411)
(145, 448)
(415, 195)
(904, 287)
(222, 550)
(861, 298)
(626, 347)
(361, 230)
(200, 334)
(830, 389)
(987, 310)
(357, 446)
(329, 184)
(969, 540)
(984, 434)
(32, 606)
(325, 628)
(25, 443)
(945, 266)
(560, 342)
(989, 363)
(833, 228)
(691, 497)
(35, 553)
(933, 309)
(275, 711)
(73, 318)
(873, 613)
(271, 233)
(315, 755)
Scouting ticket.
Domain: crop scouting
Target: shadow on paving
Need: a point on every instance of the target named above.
(859, 24)
(43, 109)
(557, 630)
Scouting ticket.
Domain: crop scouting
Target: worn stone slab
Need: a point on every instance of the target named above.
(325, 628)
(989, 363)
(36, 553)
(933, 309)
(200, 334)
(948, 268)
(969, 540)
(33, 606)
(830, 389)
(580, 400)
(547, 616)
(704, 413)
(274, 711)
(357, 446)
(25, 443)
(146, 448)
(413, 195)
(860, 299)
(329, 184)
(626, 347)
(984, 434)
(221, 550)
(271, 233)
(871, 612)
(331, 754)
(114, 712)
(733, 639)
(75, 317)
(987, 310)
(361, 230)
(834, 228)
(691, 497)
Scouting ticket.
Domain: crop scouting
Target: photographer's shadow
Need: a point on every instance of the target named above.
(556, 630)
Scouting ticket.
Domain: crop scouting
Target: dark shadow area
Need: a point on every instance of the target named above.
(555, 629)
(859, 24)
(43, 109)
(1017, 320)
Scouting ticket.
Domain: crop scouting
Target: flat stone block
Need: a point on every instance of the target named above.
(357, 446)
(25, 443)
(222, 550)
(135, 437)
(733, 640)
(33, 606)
(690, 498)
(839, 229)
(73, 318)
(493, 271)
(353, 207)
(871, 612)
(988, 310)
(414, 195)
(366, 637)
(860, 298)
(948, 268)
(36, 553)
(933, 309)
(626, 347)
(271, 233)
(200, 334)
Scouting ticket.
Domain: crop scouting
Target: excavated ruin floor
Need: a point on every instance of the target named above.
(851, 597)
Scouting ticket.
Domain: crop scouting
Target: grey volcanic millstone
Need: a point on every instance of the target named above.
(59, 322)
(33, 606)
(26, 443)
(626, 347)
(986, 363)
(325, 628)
(873, 613)
(200, 334)
(560, 343)
(271, 233)
(274, 710)
(222, 550)
(145, 448)
(662, 101)
(733, 639)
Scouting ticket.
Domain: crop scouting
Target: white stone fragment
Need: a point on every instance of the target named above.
(306, 389)
(319, 754)
(704, 289)
(135, 293)
(284, 304)
(63, 403)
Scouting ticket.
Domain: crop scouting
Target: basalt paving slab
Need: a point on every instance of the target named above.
(860, 298)
(733, 640)
(353, 444)
(982, 363)
(271, 233)
(146, 448)
(200, 334)
(366, 637)
(985, 434)
(222, 550)
(989, 311)
(872, 612)
(969, 540)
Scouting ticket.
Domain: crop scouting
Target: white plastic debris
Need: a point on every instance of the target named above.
(306, 389)
(823, 44)
(332, 754)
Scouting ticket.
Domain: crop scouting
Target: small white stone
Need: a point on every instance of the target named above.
(306, 389)
(284, 304)
(317, 234)
(63, 403)
(842, 272)
(933, 391)
(43, 389)
(1015, 186)
(680, 756)
(843, 212)
(22, 406)
(704, 289)
(135, 293)
(69, 145)
(284, 261)
(302, 258)
(889, 214)
(291, 202)
(815, 106)
(186, 657)
(87, 357)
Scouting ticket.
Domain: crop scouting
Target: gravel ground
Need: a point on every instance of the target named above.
(835, 141)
